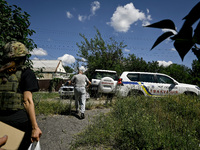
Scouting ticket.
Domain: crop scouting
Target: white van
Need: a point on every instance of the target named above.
(152, 84)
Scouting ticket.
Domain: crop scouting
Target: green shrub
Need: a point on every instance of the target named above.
(147, 123)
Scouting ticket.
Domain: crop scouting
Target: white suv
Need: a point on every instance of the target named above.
(152, 84)
(104, 81)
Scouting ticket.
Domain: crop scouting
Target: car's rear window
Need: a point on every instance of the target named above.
(100, 75)
(133, 77)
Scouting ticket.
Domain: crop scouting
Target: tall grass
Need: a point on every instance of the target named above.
(146, 123)
(50, 103)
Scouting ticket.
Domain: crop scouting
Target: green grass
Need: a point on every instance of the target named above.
(50, 103)
(146, 123)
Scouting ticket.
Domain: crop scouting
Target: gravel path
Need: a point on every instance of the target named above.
(59, 130)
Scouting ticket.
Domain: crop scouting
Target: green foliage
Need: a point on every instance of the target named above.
(195, 72)
(68, 69)
(100, 54)
(179, 72)
(184, 40)
(52, 107)
(14, 26)
(54, 83)
(146, 123)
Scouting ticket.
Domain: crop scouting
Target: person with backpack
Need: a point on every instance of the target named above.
(17, 82)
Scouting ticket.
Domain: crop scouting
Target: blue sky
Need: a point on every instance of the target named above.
(58, 24)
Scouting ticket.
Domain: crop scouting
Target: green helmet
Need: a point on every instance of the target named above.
(15, 49)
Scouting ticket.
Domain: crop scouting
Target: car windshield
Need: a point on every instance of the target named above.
(100, 75)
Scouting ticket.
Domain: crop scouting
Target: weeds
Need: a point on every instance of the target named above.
(146, 123)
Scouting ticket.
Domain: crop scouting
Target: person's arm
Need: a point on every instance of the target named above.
(88, 81)
(29, 106)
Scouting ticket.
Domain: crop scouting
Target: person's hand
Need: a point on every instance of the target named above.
(36, 134)
(3, 140)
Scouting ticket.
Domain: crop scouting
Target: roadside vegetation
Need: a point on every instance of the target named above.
(50, 103)
(145, 123)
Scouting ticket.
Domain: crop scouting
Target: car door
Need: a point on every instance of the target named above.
(149, 86)
(166, 85)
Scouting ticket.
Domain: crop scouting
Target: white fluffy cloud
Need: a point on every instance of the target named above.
(125, 16)
(39, 52)
(164, 63)
(69, 15)
(67, 59)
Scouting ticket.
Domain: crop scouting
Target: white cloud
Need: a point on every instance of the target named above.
(39, 52)
(173, 49)
(82, 18)
(67, 59)
(125, 16)
(94, 7)
(83, 59)
(166, 30)
(164, 63)
(69, 15)
(126, 50)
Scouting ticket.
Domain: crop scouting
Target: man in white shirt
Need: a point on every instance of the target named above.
(79, 81)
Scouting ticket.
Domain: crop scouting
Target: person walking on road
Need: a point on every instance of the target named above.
(79, 80)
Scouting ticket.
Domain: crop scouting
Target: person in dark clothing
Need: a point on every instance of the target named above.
(17, 82)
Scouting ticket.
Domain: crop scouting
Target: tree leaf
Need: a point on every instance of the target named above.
(162, 38)
(183, 46)
(196, 37)
(184, 33)
(193, 15)
(163, 24)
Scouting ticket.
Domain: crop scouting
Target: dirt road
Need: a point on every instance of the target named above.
(59, 130)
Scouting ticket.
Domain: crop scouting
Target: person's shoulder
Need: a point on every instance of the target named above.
(27, 72)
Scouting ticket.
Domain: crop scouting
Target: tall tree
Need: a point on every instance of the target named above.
(132, 63)
(14, 26)
(196, 72)
(99, 54)
(179, 72)
(68, 69)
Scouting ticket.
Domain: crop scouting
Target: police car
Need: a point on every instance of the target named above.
(152, 84)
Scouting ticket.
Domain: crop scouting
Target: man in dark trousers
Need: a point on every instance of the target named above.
(79, 82)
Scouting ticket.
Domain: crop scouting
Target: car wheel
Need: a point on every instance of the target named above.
(135, 93)
(190, 94)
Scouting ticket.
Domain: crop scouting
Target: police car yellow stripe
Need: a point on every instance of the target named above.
(145, 89)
